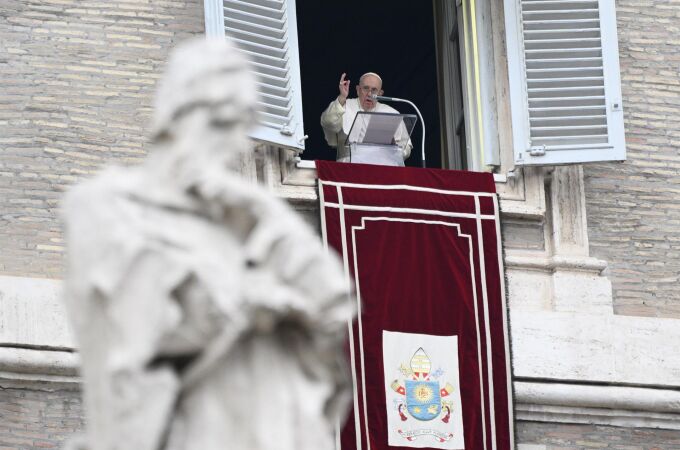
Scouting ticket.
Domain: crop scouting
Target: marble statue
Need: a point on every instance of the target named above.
(207, 313)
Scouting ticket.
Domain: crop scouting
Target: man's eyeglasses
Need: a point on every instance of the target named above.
(369, 90)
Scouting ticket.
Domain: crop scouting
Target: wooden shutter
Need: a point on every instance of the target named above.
(266, 31)
(565, 86)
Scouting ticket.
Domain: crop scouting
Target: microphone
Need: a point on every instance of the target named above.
(395, 99)
(382, 98)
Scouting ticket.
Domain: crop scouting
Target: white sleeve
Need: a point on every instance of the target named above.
(331, 122)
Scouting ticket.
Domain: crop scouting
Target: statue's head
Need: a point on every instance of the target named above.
(206, 83)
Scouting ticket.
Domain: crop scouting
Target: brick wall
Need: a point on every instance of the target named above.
(77, 84)
(559, 436)
(38, 419)
(634, 207)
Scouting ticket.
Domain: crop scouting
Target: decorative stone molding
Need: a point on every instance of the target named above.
(636, 407)
(556, 263)
(595, 348)
(521, 193)
(568, 211)
(531, 447)
(22, 364)
(35, 341)
(32, 315)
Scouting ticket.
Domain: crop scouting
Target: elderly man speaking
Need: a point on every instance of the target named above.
(337, 119)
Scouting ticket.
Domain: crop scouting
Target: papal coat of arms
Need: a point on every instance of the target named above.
(422, 391)
(423, 397)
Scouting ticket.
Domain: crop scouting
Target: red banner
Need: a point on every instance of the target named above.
(429, 350)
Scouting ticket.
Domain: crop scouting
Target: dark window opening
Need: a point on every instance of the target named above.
(393, 39)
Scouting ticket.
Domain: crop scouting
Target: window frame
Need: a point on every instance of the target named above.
(290, 135)
(524, 154)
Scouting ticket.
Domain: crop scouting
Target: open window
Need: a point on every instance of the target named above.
(400, 40)
(562, 59)
(467, 78)
(393, 39)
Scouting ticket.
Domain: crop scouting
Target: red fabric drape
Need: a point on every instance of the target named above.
(422, 247)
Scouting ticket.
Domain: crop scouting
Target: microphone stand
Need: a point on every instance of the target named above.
(395, 99)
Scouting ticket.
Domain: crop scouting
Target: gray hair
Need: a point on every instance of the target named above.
(373, 74)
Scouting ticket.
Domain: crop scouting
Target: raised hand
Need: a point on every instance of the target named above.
(344, 90)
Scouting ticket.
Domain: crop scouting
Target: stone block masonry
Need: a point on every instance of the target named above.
(78, 79)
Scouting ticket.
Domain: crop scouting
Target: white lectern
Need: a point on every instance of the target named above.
(379, 138)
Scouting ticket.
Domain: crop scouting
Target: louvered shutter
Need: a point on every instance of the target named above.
(565, 87)
(266, 31)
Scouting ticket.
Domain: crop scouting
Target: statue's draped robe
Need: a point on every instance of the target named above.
(207, 315)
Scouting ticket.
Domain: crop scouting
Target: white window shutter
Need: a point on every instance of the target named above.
(266, 31)
(565, 86)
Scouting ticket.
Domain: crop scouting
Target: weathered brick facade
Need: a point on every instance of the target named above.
(77, 88)
(560, 436)
(33, 418)
(634, 207)
(78, 78)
